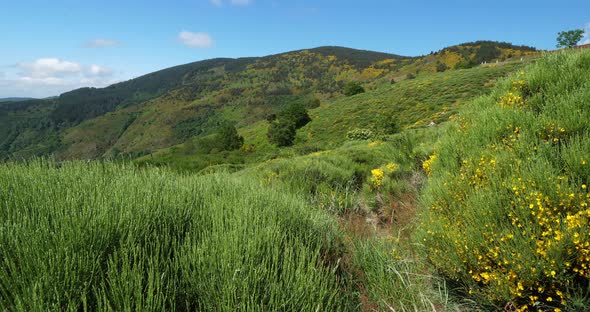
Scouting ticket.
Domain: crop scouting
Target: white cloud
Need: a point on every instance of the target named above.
(195, 40)
(586, 39)
(99, 70)
(99, 43)
(232, 2)
(52, 76)
(48, 67)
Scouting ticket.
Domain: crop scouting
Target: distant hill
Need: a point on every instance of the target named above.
(15, 99)
(170, 106)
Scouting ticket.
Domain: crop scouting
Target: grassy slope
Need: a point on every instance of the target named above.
(417, 102)
(511, 175)
(414, 103)
(117, 238)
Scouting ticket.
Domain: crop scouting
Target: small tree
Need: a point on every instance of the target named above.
(296, 114)
(570, 38)
(281, 133)
(228, 138)
(353, 88)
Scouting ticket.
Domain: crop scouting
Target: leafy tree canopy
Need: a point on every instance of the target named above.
(229, 138)
(296, 114)
(281, 133)
(353, 88)
(570, 38)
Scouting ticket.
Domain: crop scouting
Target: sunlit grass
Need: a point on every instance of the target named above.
(100, 236)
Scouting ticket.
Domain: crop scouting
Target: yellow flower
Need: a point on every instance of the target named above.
(377, 177)
(427, 165)
(391, 167)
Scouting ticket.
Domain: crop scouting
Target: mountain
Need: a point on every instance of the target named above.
(160, 110)
(15, 99)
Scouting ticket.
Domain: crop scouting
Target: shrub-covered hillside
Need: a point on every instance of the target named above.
(415, 103)
(169, 107)
(506, 208)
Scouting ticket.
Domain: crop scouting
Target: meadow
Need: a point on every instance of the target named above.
(99, 236)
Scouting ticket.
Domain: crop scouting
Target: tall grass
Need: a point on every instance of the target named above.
(395, 280)
(98, 236)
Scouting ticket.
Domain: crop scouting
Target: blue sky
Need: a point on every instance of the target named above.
(52, 46)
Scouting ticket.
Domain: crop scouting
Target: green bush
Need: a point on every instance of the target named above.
(353, 88)
(465, 64)
(295, 114)
(229, 139)
(360, 134)
(281, 133)
(506, 207)
(387, 124)
(441, 67)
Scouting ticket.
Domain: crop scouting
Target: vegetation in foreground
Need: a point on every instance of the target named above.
(98, 236)
(506, 207)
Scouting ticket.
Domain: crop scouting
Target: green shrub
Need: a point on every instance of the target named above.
(229, 139)
(360, 134)
(465, 64)
(295, 114)
(387, 124)
(353, 88)
(506, 211)
(441, 67)
(281, 133)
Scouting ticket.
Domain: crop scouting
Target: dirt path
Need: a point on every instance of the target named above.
(394, 221)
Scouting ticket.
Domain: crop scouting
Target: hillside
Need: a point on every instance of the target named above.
(15, 99)
(511, 174)
(415, 103)
(448, 190)
(479, 206)
(169, 107)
